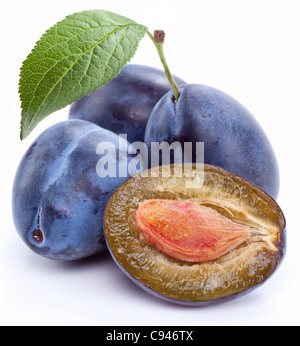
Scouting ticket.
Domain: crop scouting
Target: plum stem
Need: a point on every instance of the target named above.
(158, 40)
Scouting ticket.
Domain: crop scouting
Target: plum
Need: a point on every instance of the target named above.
(233, 139)
(124, 105)
(59, 197)
(196, 238)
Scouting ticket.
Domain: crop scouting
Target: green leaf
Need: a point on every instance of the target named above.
(75, 57)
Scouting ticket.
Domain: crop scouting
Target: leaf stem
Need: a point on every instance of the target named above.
(158, 40)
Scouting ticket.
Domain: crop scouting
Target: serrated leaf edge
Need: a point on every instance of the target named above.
(25, 132)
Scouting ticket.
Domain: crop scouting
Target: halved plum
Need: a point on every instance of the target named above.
(191, 243)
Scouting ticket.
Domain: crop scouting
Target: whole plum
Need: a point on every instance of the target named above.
(58, 197)
(124, 105)
(233, 139)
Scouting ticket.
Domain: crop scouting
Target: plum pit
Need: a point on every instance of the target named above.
(188, 231)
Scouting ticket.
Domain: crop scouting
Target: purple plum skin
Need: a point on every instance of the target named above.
(233, 138)
(58, 194)
(124, 105)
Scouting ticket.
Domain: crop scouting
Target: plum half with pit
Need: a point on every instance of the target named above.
(207, 235)
(124, 105)
(233, 138)
(59, 197)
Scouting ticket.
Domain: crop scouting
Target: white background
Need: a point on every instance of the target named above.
(249, 49)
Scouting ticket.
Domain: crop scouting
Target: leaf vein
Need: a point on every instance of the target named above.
(75, 62)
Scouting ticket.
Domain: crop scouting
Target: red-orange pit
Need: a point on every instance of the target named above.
(188, 231)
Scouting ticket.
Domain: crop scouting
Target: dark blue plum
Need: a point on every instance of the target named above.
(58, 197)
(233, 139)
(124, 105)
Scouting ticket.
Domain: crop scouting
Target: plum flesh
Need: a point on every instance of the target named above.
(236, 272)
(58, 197)
(124, 105)
(233, 139)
